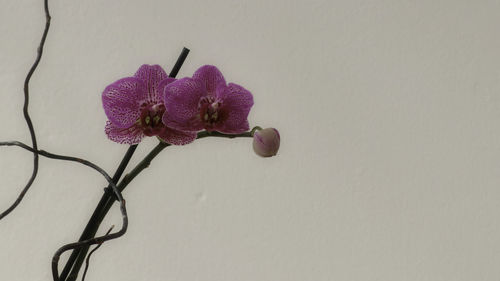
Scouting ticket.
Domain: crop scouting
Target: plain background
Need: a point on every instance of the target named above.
(389, 117)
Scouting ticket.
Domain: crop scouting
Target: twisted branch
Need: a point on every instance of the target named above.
(36, 153)
(27, 115)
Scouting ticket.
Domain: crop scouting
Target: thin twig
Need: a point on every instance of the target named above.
(27, 116)
(87, 261)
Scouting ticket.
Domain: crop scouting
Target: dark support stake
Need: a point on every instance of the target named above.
(77, 257)
(96, 218)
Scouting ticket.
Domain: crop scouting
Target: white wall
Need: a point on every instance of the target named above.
(389, 116)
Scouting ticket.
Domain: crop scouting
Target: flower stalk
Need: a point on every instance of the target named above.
(103, 208)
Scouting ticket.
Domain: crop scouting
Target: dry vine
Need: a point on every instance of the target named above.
(36, 152)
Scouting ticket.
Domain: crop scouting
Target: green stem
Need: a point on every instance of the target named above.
(135, 172)
(142, 165)
(249, 134)
(147, 160)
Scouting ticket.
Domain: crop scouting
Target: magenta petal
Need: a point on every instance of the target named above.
(211, 76)
(176, 137)
(236, 104)
(132, 135)
(152, 75)
(122, 99)
(163, 83)
(181, 103)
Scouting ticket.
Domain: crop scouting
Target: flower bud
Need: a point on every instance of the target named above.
(266, 142)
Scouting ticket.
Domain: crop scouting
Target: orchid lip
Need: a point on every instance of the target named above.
(150, 119)
(210, 110)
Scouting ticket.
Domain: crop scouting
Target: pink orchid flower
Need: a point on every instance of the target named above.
(134, 107)
(207, 102)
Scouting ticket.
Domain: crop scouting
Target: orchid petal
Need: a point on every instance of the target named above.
(236, 104)
(211, 76)
(122, 100)
(177, 137)
(181, 100)
(131, 135)
(152, 75)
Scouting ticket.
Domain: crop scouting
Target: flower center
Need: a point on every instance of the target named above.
(210, 110)
(150, 120)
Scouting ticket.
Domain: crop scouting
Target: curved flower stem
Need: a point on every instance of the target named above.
(248, 134)
(161, 145)
(130, 176)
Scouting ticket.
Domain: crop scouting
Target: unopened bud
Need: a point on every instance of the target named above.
(266, 142)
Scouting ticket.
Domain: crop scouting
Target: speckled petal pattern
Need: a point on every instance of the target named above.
(181, 102)
(152, 75)
(237, 102)
(122, 99)
(176, 137)
(131, 135)
(211, 76)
